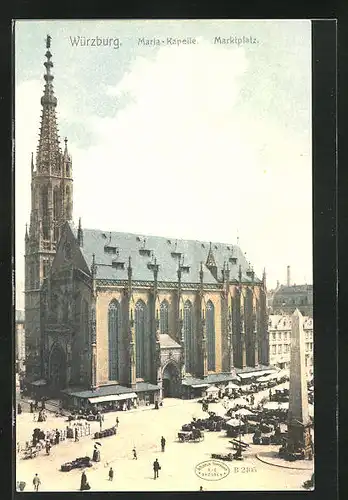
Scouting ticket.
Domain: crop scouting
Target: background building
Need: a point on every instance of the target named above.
(286, 298)
(279, 333)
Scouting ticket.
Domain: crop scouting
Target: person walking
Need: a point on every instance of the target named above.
(117, 421)
(76, 435)
(57, 436)
(48, 447)
(84, 484)
(163, 443)
(156, 468)
(135, 457)
(111, 474)
(36, 482)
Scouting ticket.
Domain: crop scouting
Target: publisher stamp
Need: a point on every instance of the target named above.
(212, 470)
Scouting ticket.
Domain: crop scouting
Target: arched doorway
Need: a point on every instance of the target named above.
(57, 369)
(171, 381)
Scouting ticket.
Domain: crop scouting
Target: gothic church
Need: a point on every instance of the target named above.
(109, 314)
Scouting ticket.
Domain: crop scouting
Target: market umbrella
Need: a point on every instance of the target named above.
(239, 401)
(231, 385)
(233, 422)
(213, 388)
(243, 411)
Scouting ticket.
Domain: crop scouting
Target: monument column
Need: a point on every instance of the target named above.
(299, 437)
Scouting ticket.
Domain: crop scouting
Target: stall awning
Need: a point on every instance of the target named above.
(254, 374)
(112, 397)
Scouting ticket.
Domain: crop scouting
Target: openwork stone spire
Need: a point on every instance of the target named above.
(49, 154)
(210, 259)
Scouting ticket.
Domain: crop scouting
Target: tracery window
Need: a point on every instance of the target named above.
(85, 312)
(140, 337)
(210, 321)
(164, 313)
(114, 329)
(188, 336)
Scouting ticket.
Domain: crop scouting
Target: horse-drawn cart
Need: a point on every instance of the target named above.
(192, 435)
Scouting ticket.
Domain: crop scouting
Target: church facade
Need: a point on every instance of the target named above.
(127, 312)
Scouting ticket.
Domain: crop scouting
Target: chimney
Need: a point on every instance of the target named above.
(288, 281)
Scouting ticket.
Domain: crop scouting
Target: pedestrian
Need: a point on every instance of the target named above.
(57, 436)
(163, 443)
(156, 468)
(48, 447)
(34, 417)
(76, 435)
(36, 482)
(135, 454)
(84, 484)
(201, 488)
(31, 407)
(117, 421)
(111, 474)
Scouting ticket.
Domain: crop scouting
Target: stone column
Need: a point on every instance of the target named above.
(298, 418)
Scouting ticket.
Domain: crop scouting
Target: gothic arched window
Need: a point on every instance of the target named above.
(164, 312)
(210, 319)
(140, 337)
(114, 324)
(44, 201)
(56, 203)
(85, 312)
(188, 336)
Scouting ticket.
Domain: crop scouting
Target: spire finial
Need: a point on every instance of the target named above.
(48, 41)
(80, 234)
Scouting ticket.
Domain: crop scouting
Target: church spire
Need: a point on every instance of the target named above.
(49, 153)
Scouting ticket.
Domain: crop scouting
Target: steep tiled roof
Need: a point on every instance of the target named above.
(106, 390)
(143, 251)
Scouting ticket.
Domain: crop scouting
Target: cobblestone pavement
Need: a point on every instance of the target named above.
(143, 429)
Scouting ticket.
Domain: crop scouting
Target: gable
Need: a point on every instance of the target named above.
(68, 252)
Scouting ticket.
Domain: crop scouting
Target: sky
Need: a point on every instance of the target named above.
(205, 140)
